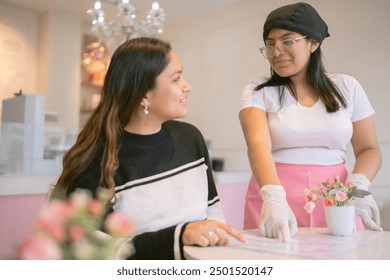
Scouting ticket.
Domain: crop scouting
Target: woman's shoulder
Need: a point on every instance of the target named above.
(184, 133)
(347, 84)
(265, 98)
(182, 127)
(255, 82)
(342, 78)
(358, 103)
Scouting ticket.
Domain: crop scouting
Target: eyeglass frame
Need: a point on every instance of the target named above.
(266, 48)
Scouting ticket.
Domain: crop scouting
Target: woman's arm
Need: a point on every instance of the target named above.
(276, 218)
(368, 161)
(158, 245)
(366, 148)
(168, 243)
(257, 136)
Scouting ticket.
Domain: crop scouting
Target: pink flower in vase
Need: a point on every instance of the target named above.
(341, 196)
(309, 206)
(328, 202)
(332, 193)
(311, 197)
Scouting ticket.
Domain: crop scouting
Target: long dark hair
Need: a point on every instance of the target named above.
(328, 92)
(133, 70)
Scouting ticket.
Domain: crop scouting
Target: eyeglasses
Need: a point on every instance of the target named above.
(285, 45)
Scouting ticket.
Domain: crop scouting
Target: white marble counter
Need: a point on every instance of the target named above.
(308, 243)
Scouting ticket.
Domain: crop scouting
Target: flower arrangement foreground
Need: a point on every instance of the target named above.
(332, 193)
(70, 229)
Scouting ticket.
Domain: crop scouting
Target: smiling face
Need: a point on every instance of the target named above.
(292, 60)
(168, 100)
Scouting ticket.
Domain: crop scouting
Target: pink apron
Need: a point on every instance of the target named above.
(295, 179)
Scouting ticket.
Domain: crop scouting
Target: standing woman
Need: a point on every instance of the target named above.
(157, 168)
(300, 121)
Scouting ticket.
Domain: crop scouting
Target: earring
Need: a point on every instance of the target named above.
(146, 110)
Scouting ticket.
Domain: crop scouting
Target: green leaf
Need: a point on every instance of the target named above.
(359, 193)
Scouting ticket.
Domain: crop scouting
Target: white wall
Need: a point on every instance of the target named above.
(220, 56)
(18, 48)
(46, 62)
(60, 52)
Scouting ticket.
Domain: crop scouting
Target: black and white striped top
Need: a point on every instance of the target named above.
(164, 181)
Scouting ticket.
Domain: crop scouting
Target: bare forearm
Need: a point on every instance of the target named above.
(368, 163)
(366, 148)
(255, 127)
(263, 166)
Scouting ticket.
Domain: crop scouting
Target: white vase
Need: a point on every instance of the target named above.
(340, 219)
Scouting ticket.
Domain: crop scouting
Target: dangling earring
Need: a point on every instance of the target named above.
(146, 110)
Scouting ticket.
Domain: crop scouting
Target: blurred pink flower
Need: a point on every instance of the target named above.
(118, 225)
(95, 207)
(66, 229)
(76, 232)
(53, 217)
(39, 248)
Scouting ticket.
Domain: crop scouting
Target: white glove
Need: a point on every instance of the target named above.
(276, 218)
(365, 207)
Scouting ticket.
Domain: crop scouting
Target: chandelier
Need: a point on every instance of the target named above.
(127, 25)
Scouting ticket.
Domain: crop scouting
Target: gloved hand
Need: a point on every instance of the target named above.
(365, 207)
(276, 218)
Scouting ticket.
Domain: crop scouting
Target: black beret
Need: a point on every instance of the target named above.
(301, 18)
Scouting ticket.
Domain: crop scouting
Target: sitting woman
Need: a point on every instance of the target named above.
(157, 168)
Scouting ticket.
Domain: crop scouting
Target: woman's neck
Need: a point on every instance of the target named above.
(143, 126)
(303, 93)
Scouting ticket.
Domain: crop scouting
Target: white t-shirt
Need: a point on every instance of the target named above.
(309, 135)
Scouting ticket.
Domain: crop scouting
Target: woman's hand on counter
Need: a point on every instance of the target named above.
(209, 233)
